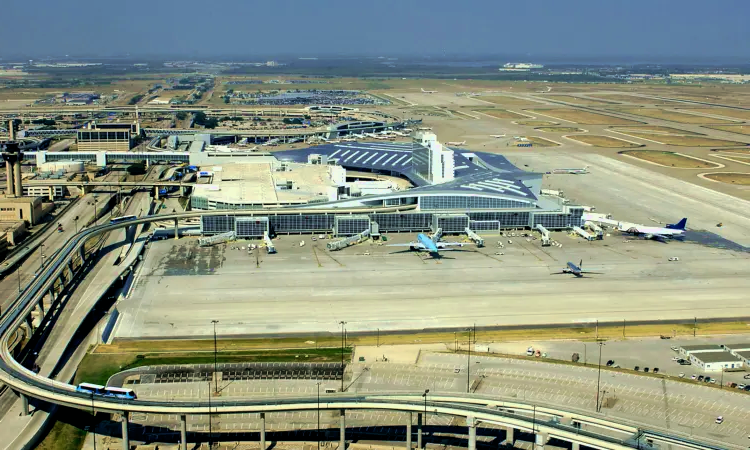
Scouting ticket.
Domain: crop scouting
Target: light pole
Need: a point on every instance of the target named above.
(41, 255)
(216, 378)
(599, 375)
(75, 221)
(210, 425)
(317, 431)
(93, 415)
(18, 271)
(468, 361)
(342, 354)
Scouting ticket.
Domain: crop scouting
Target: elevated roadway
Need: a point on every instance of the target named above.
(29, 384)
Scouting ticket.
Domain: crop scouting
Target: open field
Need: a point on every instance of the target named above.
(726, 112)
(685, 141)
(603, 141)
(670, 159)
(501, 114)
(672, 116)
(559, 129)
(541, 142)
(656, 130)
(630, 99)
(742, 179)
(536, 123)
(582, 117)
(739, 129)
(577, 100)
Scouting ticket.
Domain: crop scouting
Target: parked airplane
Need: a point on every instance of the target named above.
(497, 135)
(572, 171)
(433, 245)
(577, 271)
(672, 230)
(456, 143)
(429, 92)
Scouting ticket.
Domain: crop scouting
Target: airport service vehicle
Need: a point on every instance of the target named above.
(456, 143)
(670, 231)
(675, 349)
(674, 258)
(122, 219)
(433, 245)
(301, 243)
(576, 270)
(106, 391)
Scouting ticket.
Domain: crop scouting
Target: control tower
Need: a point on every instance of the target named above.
(13, 156)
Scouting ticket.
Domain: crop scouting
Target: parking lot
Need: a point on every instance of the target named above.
(658, 402)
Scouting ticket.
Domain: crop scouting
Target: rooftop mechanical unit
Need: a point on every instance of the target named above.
(450, 223)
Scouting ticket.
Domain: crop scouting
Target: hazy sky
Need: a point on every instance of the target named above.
(246, 28)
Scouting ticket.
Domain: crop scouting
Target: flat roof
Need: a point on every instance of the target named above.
(712, 357)
(256, 183)
(745, 355)
(745, 346)
(704, 347)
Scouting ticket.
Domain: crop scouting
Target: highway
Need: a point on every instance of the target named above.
(31, 384)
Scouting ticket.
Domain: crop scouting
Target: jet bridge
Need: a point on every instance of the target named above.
(583, 233)
(269, 243)
(217, 239)
(546, 242)
(351, 240)
(595, 228)
(475, 237)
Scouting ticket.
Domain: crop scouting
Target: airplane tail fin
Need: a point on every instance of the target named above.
(679, 225)
(580, 265)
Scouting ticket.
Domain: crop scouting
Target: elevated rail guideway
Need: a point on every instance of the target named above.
(472, 407)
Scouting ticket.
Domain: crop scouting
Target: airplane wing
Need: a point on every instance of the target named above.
(596, 273)
(441, 245)
(410, 244)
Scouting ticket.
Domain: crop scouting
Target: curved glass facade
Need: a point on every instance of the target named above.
(463, 202)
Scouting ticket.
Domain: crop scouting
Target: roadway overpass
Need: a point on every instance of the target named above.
(561, 424)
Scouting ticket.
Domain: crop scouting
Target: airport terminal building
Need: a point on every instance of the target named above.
(451, 189)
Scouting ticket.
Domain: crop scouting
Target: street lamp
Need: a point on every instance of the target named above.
(599, 375)
(468, 360)
(41, 255)
(210, 425)
(424, 429)
(342, 354)
(216, 378)
(93, 415)
(317, 432)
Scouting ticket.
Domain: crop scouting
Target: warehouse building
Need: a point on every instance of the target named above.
(715, 361)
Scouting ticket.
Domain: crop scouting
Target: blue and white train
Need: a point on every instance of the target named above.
(106, 391)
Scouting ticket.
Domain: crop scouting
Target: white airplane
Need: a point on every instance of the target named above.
(672, 230)
(497, 135)
(430, 244)
(428, 92)
(424, 128)
(456, 143)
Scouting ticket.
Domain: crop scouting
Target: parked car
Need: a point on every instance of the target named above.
(656, 370)
(610, 363)
(682, 375)
(637, 368)
(720, 420)
(747, 377)
(676, 349)
(732, 385)
(693, 377)
(741, 386)
(713, 380)
(700, 377)
(674, 258)
(645, 369)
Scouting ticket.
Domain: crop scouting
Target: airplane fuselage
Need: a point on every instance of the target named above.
(575, 270)
(429, 245)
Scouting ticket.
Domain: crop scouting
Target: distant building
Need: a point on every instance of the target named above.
(29, 209)
(716, 361)
(521, 66)
(108, 136)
